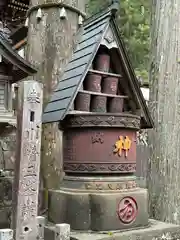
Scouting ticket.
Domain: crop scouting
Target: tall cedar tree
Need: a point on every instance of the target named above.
(133, 20)
(49, 48)
(164, 164)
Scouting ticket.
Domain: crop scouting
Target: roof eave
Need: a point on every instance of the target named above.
(19, 34)
(13, 57)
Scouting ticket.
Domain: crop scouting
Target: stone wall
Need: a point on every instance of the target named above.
(7, 148)
(7, 158)
(5, 201)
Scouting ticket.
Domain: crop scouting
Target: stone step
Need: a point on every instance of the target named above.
(155, 231)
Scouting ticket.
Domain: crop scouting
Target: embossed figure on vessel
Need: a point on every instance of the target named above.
(122, 144)
(97, 138)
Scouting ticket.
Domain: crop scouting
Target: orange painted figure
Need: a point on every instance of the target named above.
(119, 146)
(127, 145)
(122, 144)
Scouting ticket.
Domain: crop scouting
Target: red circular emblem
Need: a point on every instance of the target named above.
(127, 210)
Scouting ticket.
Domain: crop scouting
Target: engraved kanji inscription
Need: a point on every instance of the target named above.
(26, 185)
(127, 210)
(28, 209)
(33, 95)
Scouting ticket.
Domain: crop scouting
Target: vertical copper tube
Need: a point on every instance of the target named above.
(110, 85)
(98, 104)
(93, 82)
(82, 102)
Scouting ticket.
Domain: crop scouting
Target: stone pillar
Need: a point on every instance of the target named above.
(27, 165)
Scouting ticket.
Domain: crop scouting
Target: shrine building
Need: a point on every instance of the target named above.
(100, 108)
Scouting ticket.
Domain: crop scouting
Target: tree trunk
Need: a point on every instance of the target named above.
(49, 48)
(164, 164)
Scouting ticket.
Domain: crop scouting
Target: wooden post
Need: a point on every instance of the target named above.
(164, 141)
(27, 165)
(50, 44)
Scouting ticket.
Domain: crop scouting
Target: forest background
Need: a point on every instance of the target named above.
(134, 23)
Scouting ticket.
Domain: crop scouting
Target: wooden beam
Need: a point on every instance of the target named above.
(20, 44)
(103, 94)
(105, 74)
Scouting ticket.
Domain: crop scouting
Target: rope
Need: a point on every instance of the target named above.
(50, 5)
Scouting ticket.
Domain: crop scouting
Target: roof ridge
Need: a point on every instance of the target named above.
(97, 17)
(111, 10)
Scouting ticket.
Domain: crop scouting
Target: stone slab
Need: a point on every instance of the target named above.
(155, 231)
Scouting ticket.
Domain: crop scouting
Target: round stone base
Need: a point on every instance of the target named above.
(97, 183)
(99, 204)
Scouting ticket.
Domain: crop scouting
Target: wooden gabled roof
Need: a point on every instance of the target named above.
(22, 67)
(90, 37)
(13, 12)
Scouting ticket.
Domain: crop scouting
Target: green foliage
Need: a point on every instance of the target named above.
(133, 21)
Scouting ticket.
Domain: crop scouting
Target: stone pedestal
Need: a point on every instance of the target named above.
(99, 203)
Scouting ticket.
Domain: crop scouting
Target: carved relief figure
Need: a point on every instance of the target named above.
(98, 138)
(33, 96)
(122, 144)
(119, 146)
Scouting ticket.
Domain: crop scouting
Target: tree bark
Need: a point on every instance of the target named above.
(49, 48)
(164, 163)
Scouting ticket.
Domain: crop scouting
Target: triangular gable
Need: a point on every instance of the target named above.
(100, 34)
(133, 84)
(90, 38)
(22, 67)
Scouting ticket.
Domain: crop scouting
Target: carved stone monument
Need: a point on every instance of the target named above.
(27, 165)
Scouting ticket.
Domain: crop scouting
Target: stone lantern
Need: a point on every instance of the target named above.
(100, 107)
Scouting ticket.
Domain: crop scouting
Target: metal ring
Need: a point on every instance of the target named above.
(49, 5)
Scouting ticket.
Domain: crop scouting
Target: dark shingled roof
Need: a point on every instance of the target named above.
(23, 68)
(89, 41)
(90, 36)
